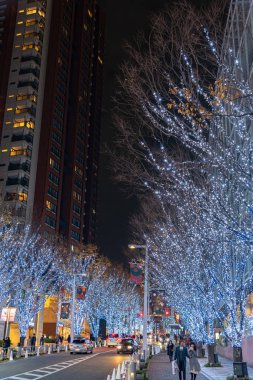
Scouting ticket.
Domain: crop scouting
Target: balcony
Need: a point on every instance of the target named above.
(19, 166)
(30, 70)
(31, 58)
(30, 110)
(29, 83)
(22, 137)
(23, 181)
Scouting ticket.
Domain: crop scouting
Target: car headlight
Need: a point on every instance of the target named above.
(119, 347)
(129, 347)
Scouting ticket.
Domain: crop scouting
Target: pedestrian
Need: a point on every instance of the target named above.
(42, 339)
(6, 345)
(33, 342)
(57, 340)
(69, 339)
(61, 339)
(180, 356)
(170, 349)
(193, 361)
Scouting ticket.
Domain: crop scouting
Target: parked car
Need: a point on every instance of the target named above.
(81, 346)
(127, 346)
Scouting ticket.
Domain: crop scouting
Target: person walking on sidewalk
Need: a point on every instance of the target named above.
(170, 348)
(33, 342)
(180, 356)
(193, 361)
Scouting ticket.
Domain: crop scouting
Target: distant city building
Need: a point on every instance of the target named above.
(51, 60)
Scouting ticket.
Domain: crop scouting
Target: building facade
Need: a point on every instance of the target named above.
(51, 54)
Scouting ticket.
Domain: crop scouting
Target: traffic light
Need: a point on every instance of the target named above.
(140, 315)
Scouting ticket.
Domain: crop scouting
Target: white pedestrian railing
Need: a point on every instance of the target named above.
(28, 351)
(127, 369)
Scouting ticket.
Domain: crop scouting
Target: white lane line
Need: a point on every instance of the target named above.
(49, 369)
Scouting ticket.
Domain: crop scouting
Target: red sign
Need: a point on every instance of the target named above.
(136, 273)
(80, 292)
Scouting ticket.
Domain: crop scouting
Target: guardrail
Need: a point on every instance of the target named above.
(30, 351)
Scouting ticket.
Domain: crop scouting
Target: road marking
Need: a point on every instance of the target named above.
(49, 370)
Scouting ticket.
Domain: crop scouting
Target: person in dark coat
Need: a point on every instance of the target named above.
(33, 342)
(7, 344)
(42, 339)
(193, 361)
(170, 348)
(180, 356)
(69, 339)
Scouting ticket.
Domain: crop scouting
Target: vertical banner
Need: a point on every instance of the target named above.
(65, 310)
(136, 273)
(80, 292)
(157, 302)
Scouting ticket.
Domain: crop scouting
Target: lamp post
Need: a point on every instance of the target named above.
(74, 304)
(145, 314)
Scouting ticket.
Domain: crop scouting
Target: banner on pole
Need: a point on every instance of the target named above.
(65, 310)
(157, 304)
(136, 273)
(80, 292)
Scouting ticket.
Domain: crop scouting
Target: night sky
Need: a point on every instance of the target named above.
(124, 18)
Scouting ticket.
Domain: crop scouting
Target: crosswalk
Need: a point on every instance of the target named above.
(49, 370)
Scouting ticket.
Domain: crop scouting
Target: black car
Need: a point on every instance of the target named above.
(127, 346)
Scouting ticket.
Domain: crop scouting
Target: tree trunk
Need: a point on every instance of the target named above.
(237, 354)
(211, 352)
(199, 349)
(22, 341)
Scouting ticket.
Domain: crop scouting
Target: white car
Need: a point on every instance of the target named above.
(112, 342)
(81, 346)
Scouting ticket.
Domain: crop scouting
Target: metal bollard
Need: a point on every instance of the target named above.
(38, 351)
(11, 355)
(66, 348)
(49, 350)
(26, 353)
(131, 371)
(58, 349)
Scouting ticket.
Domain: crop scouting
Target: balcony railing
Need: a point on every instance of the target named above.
(19, 166)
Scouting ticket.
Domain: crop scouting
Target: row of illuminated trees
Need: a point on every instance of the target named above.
(33, 269)
(185, 116)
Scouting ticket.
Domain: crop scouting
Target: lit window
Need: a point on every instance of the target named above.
(41, 13)
(20, 22)
(17, 46)
(51, 206)
(30, 22)
(22, 197)
(85, 27)
(21, 11)
(89, 13)
(4, 150)
(8, 122)
(19, 34)
(9, 109)
(31, 11)
(11, 96)
(100, 60)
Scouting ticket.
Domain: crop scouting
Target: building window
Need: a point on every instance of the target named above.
(50, 221)
(23, 123)
(56, 137)
(52, 192)
(51, 206)
(77, 196)
(55, 151)
(53, 164)
(78, 171)
(22, 197)
(76, 222)
(20, 151)
(53, 178)
(75, 235)
(76, 209)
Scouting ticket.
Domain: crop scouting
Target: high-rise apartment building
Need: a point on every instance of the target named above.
(51, 54)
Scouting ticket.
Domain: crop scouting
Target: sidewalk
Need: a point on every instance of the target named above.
(160, 369)
(220, 373)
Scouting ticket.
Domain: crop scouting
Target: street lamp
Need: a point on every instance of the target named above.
(145, 315)
(74, 304)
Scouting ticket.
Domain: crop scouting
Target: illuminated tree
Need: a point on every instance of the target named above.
(178, 90)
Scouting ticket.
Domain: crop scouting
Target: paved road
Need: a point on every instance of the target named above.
(63, 366)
